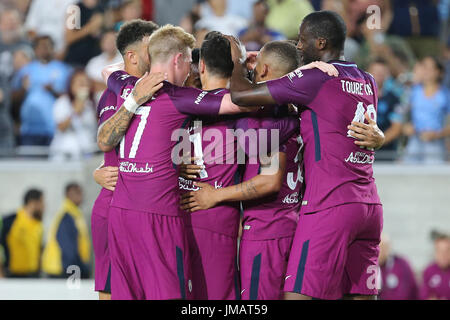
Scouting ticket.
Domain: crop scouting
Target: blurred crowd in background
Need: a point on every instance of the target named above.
(51, 61)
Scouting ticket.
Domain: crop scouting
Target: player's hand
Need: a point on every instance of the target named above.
(190, 170)
(327, 68)
(201, 199)
(146, 86)
(251, 59)
(106, 177)
(367, 135)
(237, 54)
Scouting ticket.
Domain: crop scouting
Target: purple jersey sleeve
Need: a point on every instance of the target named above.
(118, 80)
(106, 106)
(298, 87)
(196, 102)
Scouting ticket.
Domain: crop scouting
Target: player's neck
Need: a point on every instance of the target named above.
(132, 70)
(164, 68)
(212, 83)
(331, 55)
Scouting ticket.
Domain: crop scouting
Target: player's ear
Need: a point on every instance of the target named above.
(201, 66)
(321, 43)
(177, 59)
(265, 71)
(132, 57)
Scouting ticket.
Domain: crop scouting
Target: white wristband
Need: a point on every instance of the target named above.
(130, 104)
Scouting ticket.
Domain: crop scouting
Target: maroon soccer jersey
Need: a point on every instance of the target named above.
(336, 170)
(274, 216)
(148, 178)
(213, 141)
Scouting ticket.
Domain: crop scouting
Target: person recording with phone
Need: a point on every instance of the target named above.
(75, 119)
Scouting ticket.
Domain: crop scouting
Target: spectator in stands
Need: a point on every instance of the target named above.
(11, 38)
(21, 5)
(68, 242)
(390, 112)
(446, 56)
(257, 34)
(48, 17)
(240, 8)
(38, 84)
(397, 277)
(436, 277)
(418, 22)
(430, 107)
(172, 11)
(76, 126)
(21, 237)
(22, 56)
(377, 43)
(6, 125)
(188, 23)
(83, 44)
(129, 10)
(109, 55)
(218, 19)
(286, 15)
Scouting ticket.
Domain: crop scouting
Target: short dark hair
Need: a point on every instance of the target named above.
(132, 32)
(328, 25)
(285, 52)
(195, 55)
(32, 195)
(72, 185)
(216, 53)
(41, 38)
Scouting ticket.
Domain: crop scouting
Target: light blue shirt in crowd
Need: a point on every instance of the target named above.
(429, 113)
(36, 113)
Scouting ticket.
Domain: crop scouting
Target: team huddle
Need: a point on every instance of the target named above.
(240, 175)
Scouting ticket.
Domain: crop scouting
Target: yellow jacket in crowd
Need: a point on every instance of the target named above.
(68, 243)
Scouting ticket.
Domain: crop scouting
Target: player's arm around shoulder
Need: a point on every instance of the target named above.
(269, 181)
(106, 177)
(111, 132)
(368, 135)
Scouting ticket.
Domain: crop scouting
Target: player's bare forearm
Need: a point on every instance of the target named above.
(262, 185)
(267, 182)
(247, 94)
(111, 132)
(208, 197)
(255, 188)
(228, 107)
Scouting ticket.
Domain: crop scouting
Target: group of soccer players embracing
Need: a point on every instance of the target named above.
(298, 218)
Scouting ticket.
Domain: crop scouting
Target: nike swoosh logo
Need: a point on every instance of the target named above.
(242, 291)
(287, 277)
